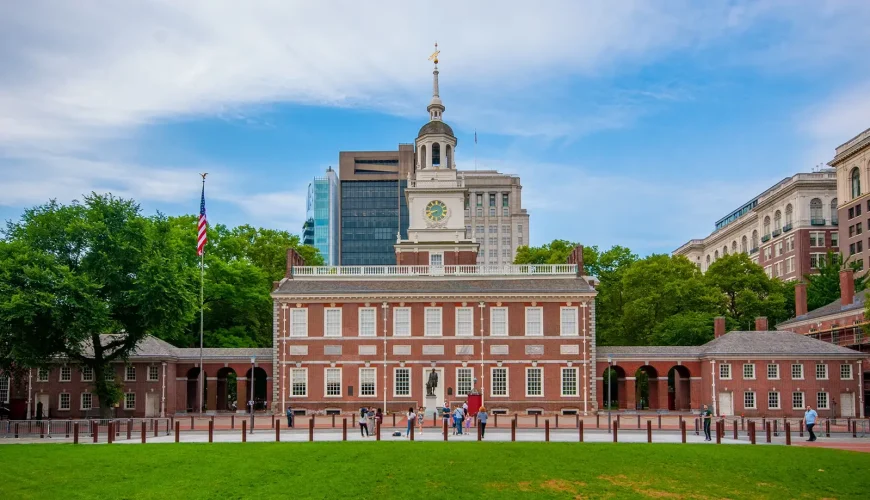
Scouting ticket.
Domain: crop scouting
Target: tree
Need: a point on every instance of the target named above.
(687, 328)
(609, 267)
(88, 282)
(748, 292)
(824, 287)
(555, 252)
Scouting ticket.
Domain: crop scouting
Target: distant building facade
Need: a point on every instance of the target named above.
(320, 229)
(494, 215)
(852, 164)
(787, 229)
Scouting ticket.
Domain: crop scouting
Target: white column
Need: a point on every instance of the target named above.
(713, 395)
(163, 393)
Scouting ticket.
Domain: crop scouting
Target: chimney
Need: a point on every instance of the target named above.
(576, 257)
(761, 324)
(847, 287)
(718, 326)
(293, 260)
(800, 298)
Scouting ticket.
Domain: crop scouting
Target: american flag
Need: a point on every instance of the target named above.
(475, 136)
(202, 238)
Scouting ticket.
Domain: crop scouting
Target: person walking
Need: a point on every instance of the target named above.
(481, 421)
(445, 416)
(707, 415)
(289, 417)
(412, 416)
(458, 415)
(379, 420)
(421, 415)
(363, 426)
(810, 417)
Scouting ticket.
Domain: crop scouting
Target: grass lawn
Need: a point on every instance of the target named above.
(351, 471)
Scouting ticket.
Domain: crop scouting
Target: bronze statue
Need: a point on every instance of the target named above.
(432, 383)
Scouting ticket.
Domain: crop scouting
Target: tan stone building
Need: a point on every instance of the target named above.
(852, 164)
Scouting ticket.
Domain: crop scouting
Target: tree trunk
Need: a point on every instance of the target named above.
(105, 387)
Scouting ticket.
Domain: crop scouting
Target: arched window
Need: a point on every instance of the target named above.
(743, 245)
(816, 211)
(734, 246)
(436, 154)
(423, 159)
(856, 183)
(448, 156)
(834, 217)
(716, 255)
(724, 250)
(766, 227)
(777, 221)
(788, 215)
(754, 240)
(708, 260)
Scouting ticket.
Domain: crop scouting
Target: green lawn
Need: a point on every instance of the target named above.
(374, 471)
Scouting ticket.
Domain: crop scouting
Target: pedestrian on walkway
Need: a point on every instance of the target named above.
(481, 421)
(707, 415)
(810, 417)
(457, 420)
(289, 417)
(412, 416)
(421, 415)
(363, 426)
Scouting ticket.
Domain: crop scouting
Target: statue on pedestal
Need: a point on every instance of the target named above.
(432, 383)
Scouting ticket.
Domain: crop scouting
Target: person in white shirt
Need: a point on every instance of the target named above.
(412, 416)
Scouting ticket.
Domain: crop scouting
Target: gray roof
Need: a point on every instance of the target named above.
(832, 308)
(227, 352)
(153, 347)
(330, 286)
(773, 342)
(436, 127)
(653, 351)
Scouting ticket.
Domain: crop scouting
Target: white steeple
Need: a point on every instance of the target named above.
(436, 108)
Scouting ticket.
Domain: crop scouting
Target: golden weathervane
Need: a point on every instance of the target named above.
(434, 56)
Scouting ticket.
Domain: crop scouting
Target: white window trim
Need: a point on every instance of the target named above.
(851, 372)
(374, 312)
(778, 400)
(375, 391)
(541, 326)
(326, 321)
(492, 311)
(126, 374)
(436, 253)
(395, 321)
(82, 401)
(304, 312)
(803, 400)
(576, 322)
(426, 332)
(60, 404)
(507, 382)
(82, 372)
(777, 371)
(326, 382)
(155, 379)
(827, 372)
(8, 383)
(60, 373)
(47, 375)
(562, 371)
(827, 400)
(753, 376)
(792, 371)
(396, 386)
(292, 371)
(541, 369)
(126, 399)
(754, 400)
(471, 380)
(730, 373)
(470, 311)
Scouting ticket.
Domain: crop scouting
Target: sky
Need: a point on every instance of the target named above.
(629, 122)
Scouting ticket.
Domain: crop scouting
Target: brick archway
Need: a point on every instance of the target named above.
(679, 388)
(647, 388)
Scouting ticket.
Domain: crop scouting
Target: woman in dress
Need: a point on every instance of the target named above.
(421, 414)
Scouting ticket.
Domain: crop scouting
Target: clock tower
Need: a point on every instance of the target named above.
(436, 197)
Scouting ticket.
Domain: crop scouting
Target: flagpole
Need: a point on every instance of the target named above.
(475, 149)
(201, 312)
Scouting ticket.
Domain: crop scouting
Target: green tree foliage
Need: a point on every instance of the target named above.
(748, 292)
(686, 328)
(555, 252)
(824, 287)
(88, 281)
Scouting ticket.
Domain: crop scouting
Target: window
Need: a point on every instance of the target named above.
(492, 199)
(464, 378)
(65, 373)
(505, 252)
(153, 373)
(817, 239)
(859, 247)
(768, 270)
(835, 240)
(749, 400)
(797, 401)
(478, 229)
(299, 382)
(534, 382)
(534, 318)
(402, 322)
(299, 322)
(519, 241)
(772, 372)
(493, 241)
(858, 210)
(780, 248)
(499, 382)
(493, 229)
(433, 322)
(498, 317)
(768, 252)
(789, 244)
(367, 380)
(816, 260)
(856, 183)
(822, 400)
(777, 221)
(87, 401)
(852, 213)
(42, 375)
(468, 230)
(789, 265)
(479, 212)
(493, 252)
(568, 327)
(464, 321)
(506, 240)
(772, 400)
(402, 382)
(859, 228)
(63, 402)
(332, 322)
(333, 382)
(749, 372)
(569, 382)
(4, 388)
(130, 401)
(367, 317)
(725, 371)
(845, 371)
(506, 228)
(821, 371)
(851, 249)
(504, 200)
(130, 373)
(816, 210)
(766, 226)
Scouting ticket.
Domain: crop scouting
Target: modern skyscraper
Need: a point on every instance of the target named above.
(321, 225)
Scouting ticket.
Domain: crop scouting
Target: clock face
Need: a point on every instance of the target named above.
(436, 210)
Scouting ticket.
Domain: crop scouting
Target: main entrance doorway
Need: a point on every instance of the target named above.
(432, 403)
(726, 404)
(152, 404)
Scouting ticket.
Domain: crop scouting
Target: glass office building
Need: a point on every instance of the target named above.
(321, 226)
(370, 215)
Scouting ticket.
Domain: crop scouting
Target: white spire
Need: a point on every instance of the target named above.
(436, 108)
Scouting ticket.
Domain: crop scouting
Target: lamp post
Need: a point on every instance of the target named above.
(253, 360)
(609, 390)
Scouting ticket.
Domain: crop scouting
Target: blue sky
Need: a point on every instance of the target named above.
(630, 122)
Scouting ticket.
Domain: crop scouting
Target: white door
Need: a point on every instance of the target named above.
(45, 399)
(152, 405)
(847, 404)
(726, 404)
